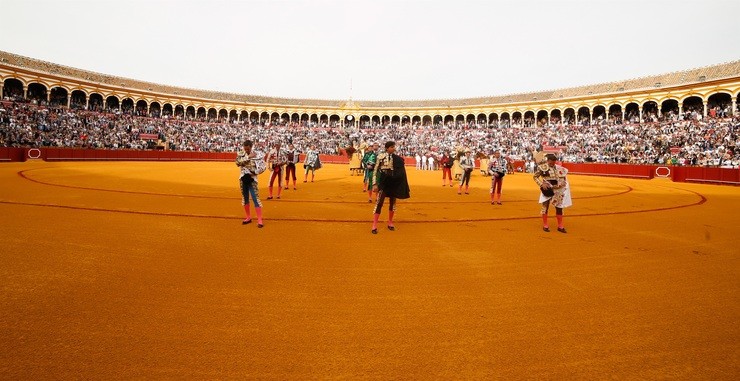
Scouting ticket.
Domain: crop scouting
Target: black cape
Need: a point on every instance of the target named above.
(395, 184)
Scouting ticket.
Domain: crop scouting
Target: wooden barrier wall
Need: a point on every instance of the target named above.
(679, 174)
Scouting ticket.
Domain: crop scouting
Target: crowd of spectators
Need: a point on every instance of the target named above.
(685, 139)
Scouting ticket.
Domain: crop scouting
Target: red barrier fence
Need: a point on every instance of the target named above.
(616, 170)
(678, 174)
(706, 175)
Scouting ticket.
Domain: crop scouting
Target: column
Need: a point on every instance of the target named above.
(680, 111)
(25, 92)
(704, 104)
(87, 103)
(639, 109)
(69, 100)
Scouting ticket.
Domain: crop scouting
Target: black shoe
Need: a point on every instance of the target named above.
(562, 230)
(249, 221)
(391, 228)
(374, 231)
(499, 202)
(285, 188)
(546, 229)
(278, 197)
(260, 225)
(493, 203)
(269, 198)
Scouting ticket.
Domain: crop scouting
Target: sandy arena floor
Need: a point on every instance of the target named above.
(143, 270)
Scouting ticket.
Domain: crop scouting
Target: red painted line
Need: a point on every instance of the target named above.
(701, 201)
(24, 176)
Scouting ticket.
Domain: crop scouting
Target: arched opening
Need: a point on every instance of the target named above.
(141, 107)
(233, 116)
(112, 103)
(254, 117)
(693, 108)
(36, 93)
(275, 118)
(569, 116)
(324, 120)
(349, 120)
(416, 120)
(314, 119)
(201, 114)
(12, 89)
(244, 116)
(482, 120)
(598, 114)
(470, 119)
(556, 116)
(493, 119)
(516, 119)
(529, 119)
(58, 97)
(127, 105)
(190, 112)
(178, 112)
(385, 120)
(295, 118)
(334, 120)
(284, 118)
(405, 120)
(632, 113)
(505, 120)
(542, 118)
(719, 105)
(669, 109)
(375, 121)
(449, 120)
(95, 103)
(365, 121)
(264, 117)
(615, 113)
(437, 121)
(155, 110)
(212, 114)
(395, 120)
(223, 115)
(650, 111)
(459, 120)
(584, 116)
(304, 119)
(167, 110)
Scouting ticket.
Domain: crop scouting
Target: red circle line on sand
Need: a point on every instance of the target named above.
(23, 175)
(702, 200)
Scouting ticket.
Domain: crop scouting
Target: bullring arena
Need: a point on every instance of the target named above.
(120, 269)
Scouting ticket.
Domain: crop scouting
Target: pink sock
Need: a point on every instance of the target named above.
(259, 215)
(544, 220)
(390, 218)
(247, 215)
(270, 189)
(376, 216)
(560, 221)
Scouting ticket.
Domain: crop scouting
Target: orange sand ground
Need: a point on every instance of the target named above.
(143, 270)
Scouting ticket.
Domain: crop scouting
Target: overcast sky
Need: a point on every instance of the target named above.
(381, 49)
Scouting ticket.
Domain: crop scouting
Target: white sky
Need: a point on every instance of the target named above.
(387, 49)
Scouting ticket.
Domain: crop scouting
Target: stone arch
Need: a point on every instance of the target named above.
(112, 102)
(13, 88)
(36, 92)
(58, 96)
(155, 110)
